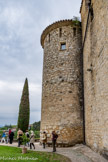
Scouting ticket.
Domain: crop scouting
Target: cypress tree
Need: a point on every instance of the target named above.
(24, 109)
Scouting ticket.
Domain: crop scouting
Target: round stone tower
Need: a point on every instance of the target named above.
(62, 82)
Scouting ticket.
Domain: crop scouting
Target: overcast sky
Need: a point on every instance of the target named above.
(21, 55)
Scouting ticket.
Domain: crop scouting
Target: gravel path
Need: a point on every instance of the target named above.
(78, 153)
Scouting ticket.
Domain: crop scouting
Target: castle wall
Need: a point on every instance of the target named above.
(62, 83)
(96, 74)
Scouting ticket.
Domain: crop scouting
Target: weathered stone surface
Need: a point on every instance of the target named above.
(62, 78)
(96, 79)
(62, 83)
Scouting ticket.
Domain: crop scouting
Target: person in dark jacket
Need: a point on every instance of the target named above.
(54, 139)
(11, 136)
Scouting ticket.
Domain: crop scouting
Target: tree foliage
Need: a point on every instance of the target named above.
(24, 109)
(76, 21)
(36, 126)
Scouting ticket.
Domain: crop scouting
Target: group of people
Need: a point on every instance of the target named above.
(7, 136)
(54, 139)
(31, 138)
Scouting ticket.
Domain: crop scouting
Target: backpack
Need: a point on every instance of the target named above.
(56, 136)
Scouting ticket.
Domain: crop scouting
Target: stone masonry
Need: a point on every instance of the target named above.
(77, 75)
(62, 82)
(95, 57)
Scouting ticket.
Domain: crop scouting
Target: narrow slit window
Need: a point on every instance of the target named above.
(63, 46)
(49, 38)
(60, 32)
(92, 13)
(74, 31)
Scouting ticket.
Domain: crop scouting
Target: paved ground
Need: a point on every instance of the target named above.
(78, 153)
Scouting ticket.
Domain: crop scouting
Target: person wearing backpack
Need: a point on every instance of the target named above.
(54, 139)
(28, 136)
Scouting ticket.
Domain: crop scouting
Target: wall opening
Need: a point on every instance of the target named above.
(91, 12)
(49, 38)
(60, 32)
(74, 32)
(63, 46)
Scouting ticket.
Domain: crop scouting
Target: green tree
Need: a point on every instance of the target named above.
(24, 109)
(36, 126)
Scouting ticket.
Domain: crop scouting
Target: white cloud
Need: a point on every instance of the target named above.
(21, 55)
(10, 93)
(15, 86)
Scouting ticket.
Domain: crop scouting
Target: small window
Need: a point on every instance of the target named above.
(63, 46)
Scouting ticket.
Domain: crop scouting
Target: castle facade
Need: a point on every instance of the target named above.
(75, 78)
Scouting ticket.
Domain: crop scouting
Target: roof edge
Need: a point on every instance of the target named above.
(81, 5)
(55, 25)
